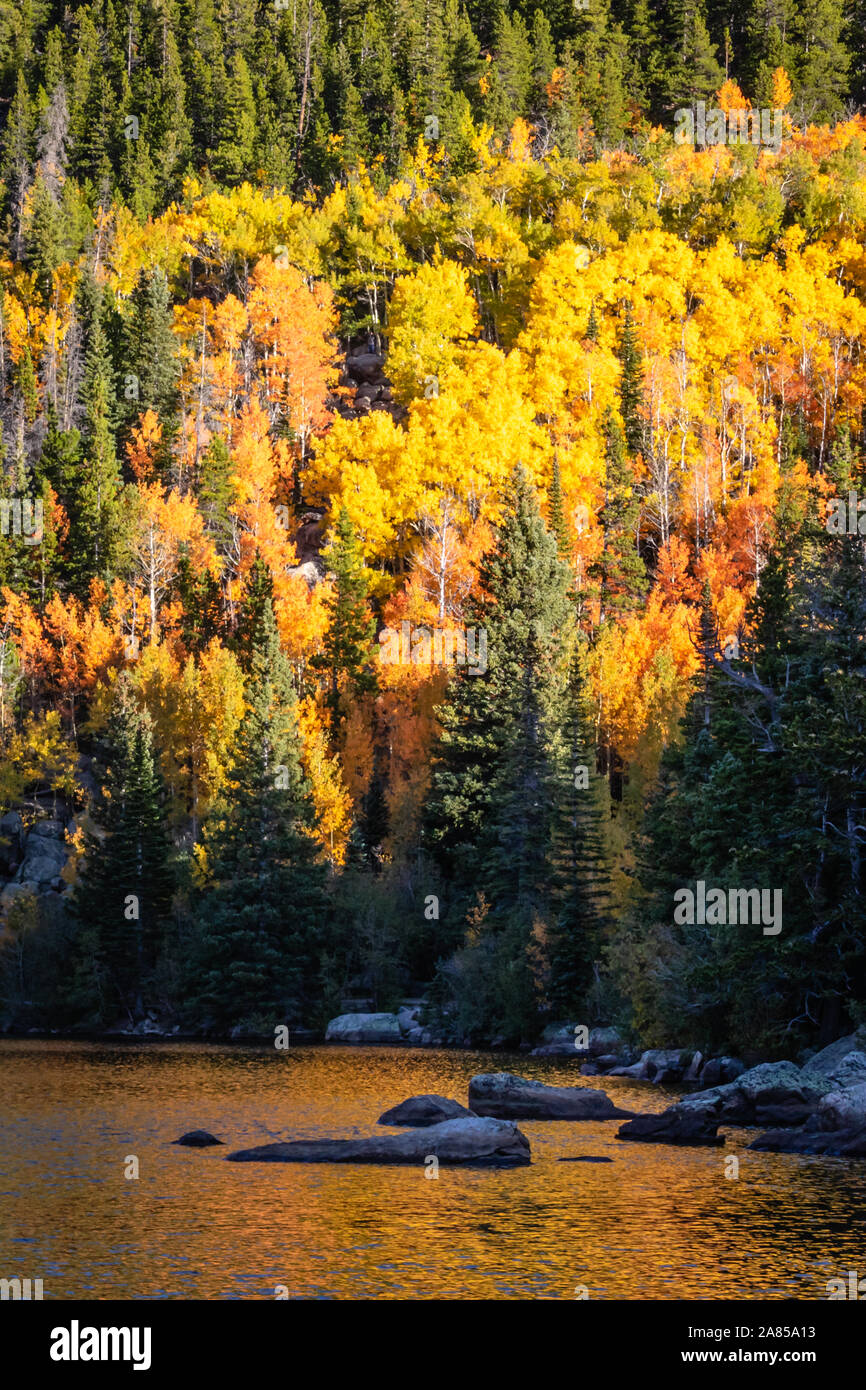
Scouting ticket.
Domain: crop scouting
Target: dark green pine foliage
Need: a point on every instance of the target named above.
(557, 524)
(150, 369)
(257, 603)
(346, 657)
(591, 334)
(494, 786)
(261, 915)
(94, 503)
(123, 898)
(619, 571)
(789, 711)
(692, 70)
(580, 869)
(821, 69)
(631, 398)
(16, 162)
(201, 600)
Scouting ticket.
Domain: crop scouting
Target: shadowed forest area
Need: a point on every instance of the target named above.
(431, 522)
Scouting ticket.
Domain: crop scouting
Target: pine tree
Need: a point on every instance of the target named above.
(149, 351)
(619, 570)
(580, 871)
(556, 523)
(233, 157)
(94, 518)
(490, 811)
(346, 658)
(124, 893)
(631, 385)
(261, 913)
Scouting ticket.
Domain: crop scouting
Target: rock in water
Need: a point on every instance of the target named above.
(584, 1158)
(364, 1028)
(843, 1143)
(423, 1111)
(482, 1143)
(197, 1139)
(776, 1093)
(674, 1126)
(508, 1097)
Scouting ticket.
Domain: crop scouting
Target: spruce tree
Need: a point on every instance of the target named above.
(631, 385)
(490, 813)
(619, 571)
(260, 916)
(150, 357)
(346, 659)
(123, 896)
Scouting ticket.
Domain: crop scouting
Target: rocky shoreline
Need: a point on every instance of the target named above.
(818, 1109)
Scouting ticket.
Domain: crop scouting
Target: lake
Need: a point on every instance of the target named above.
(656, 1223)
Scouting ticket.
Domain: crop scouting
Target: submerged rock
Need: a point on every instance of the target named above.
(673, 1126)
(421, 1111)
(508, 1097)
(584, 1158)
(197, 1139)
(482, 1143)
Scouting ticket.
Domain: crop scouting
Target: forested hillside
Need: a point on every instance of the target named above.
(423, 544)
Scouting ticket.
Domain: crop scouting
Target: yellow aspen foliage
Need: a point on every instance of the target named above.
(331, 797)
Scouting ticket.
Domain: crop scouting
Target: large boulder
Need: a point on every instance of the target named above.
(48, 829)
(673, 1126)
(557, 1040)
(365, 366)
(775, 1093)
(843, 1143)
(509, 1097)
(43, 860)
(421, 1111)
(364, 1028)
(660, 1065)
(604, 1041)
(850, 1071)
(843, 1109)
(16, 890)
(484, 1143)
(719, 1070)
(829, 1057)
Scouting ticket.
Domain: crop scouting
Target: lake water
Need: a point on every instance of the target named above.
(656, 1223)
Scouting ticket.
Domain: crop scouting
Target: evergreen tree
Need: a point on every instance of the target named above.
(619, 570)
(94, 517)
(149, 356)
(123, 897)
(557, 525)
(631, 385)
(580, 871)
(261, 913)
(493, 793)
(346, 658)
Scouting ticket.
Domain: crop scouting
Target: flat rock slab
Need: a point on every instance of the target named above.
(584, 1158)
(673, 1126)
(505, 1096)
(483, 1143)
(423, 1111)
(197, 1139)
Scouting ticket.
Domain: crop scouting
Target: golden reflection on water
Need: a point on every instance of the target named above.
(657, 1223)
